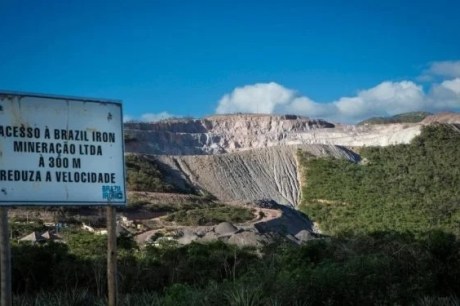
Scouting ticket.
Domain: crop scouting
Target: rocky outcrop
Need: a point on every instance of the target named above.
(235, 133)
(216, 134)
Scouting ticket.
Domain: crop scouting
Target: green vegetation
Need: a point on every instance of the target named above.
(143, 175)
(140, 200)
(20, 229)
(211, 214)
(412, 188)
(412, 117)
(84, 244)
(395, 220)
(385, 268)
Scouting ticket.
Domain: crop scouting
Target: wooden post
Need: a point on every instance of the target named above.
(112, 255)
(5, 259)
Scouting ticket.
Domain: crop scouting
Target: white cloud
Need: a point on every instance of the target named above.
(257, 98)
(151, 117)
(387, 98)
(304, 105)
(446, 69)
(445, 96)
(452, 85)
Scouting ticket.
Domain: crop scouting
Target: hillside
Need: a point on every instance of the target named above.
(142, 174)
(442, 118)
(412, 117)
(413, 187)
(250, 157)
(404, 187)
(267, 173)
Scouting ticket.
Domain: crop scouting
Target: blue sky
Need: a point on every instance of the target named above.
(338, 60)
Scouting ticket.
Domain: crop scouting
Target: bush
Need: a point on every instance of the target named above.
(382, 268)
(410, 187)
(143, 175)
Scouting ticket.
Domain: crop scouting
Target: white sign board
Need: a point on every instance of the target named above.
(60, 151)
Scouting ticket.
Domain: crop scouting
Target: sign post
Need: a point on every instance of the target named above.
(5, 258)
(60, 151)
(112, 256)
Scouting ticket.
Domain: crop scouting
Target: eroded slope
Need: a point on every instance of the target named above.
(269, 173)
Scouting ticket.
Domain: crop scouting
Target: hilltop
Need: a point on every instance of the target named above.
(412, 117)
(234, 133)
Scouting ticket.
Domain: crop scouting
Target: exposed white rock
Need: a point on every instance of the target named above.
(233, 133)
(267, 173)
(225, 228)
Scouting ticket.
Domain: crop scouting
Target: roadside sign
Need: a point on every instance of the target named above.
(60, 151)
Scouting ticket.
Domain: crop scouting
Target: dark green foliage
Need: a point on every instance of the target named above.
(401, 118)
(126, 242)
(211, 214)
(85, 244)
(21, 229)
(143, 175)
(383, 268)
(137, 200)
(411, 187)
(68, 298)
(35, 265)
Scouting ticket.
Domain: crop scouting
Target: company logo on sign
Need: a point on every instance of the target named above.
(112, 192)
